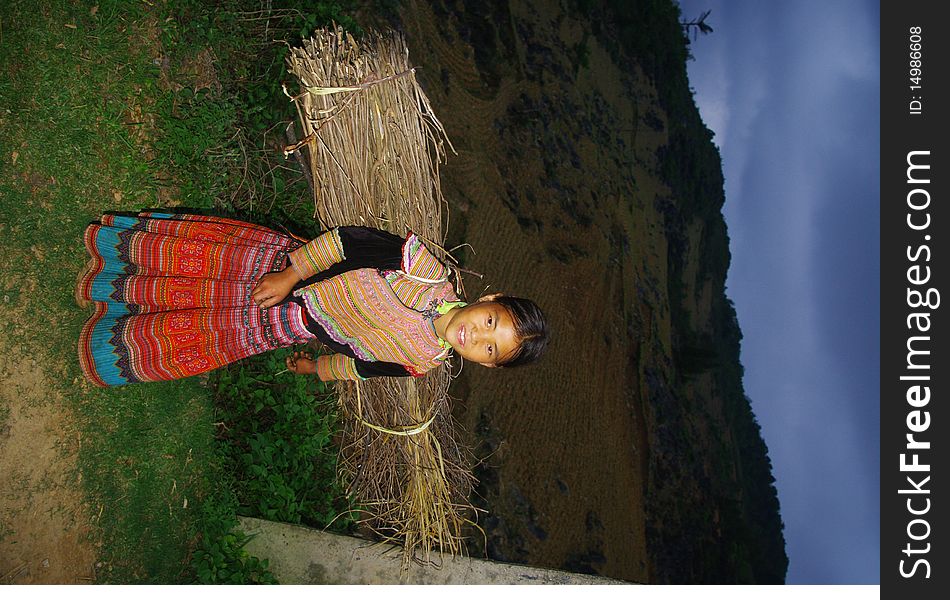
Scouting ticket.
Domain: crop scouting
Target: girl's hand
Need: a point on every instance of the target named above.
(274, 287)
(301, 363)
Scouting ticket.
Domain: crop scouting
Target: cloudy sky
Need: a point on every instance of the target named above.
(791, 90)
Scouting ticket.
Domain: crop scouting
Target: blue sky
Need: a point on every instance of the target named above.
(791, 90)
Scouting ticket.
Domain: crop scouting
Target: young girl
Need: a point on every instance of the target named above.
(178, 294)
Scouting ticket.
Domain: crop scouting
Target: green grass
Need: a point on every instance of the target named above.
(87, 125)
(147, 463)
(66, 101)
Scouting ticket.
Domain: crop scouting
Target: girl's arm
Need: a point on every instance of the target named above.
(337, 250)
(317, 255)
(327, 367)
(332, 367)
(343, 249)
(336, 367)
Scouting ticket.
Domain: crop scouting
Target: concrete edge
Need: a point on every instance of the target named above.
(300, 555)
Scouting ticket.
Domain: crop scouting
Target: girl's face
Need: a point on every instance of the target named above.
(482, 332)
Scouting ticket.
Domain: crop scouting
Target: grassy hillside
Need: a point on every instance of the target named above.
(713, 511)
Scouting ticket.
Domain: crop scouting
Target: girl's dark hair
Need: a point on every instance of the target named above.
(530, 327)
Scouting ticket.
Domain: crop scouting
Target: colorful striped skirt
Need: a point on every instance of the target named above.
(172, 296)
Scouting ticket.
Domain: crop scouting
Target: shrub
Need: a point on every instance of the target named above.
(277, 434)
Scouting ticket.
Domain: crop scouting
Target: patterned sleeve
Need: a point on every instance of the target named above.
(346, 248)
(318, 254)
(418, 262)
(335, 367)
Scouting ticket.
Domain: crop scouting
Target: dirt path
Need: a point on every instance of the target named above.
(44, 526)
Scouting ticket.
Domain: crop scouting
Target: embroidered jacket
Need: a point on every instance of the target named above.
(367, 295)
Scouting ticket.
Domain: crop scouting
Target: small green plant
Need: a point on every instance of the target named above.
(226, 561)
(278, 431)
(221, 557)
(274, 460)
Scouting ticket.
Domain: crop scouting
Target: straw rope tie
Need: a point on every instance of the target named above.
(406, 430)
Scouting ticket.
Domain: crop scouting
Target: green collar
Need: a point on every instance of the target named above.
(447, 306)
(443, 308)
